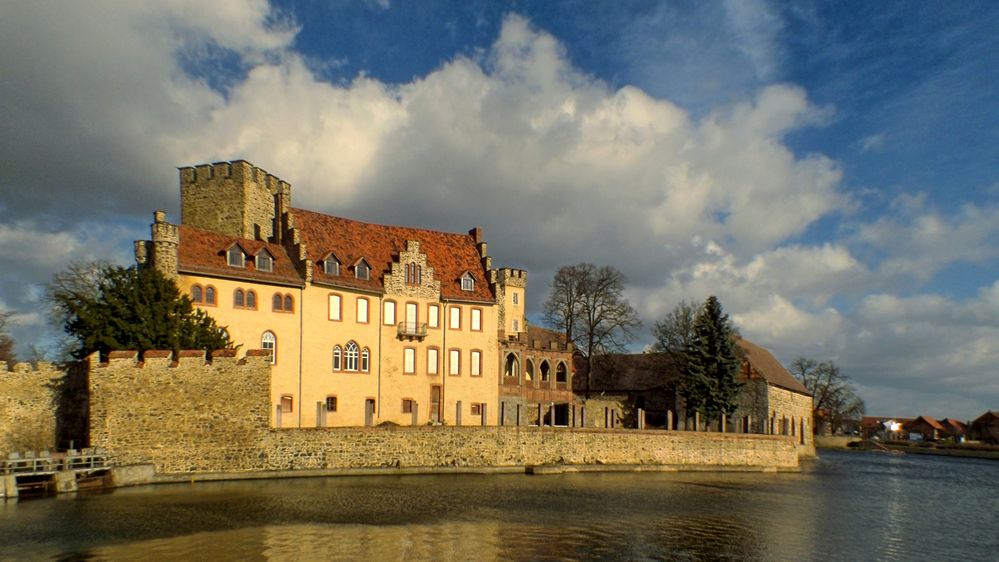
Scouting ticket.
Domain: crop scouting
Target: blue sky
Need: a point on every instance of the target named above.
(828, 170)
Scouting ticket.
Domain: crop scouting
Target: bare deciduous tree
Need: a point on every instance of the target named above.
(587, 304)
(6, 342)
(834, 400)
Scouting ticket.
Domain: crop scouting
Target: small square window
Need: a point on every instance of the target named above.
(476, 409)
(467, 283)
(407, 406)
(331, 266)
(264, 262)
(287, 403)
(235, 257)
(331, 403)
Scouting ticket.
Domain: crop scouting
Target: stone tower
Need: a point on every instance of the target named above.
(234, 198)
(511, 288)
(161, 251)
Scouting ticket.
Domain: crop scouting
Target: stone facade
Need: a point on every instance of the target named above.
(395, 281)
(260, 196)
(186, 416)
(27, 407)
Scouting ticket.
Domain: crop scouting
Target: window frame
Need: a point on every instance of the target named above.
(251, 299)
(291, 403)
(267, 259)
(454, 312)
(468, 283)
(387, 318)
(362, 266)
(434, 316)
(337, 358)
(238, 298)
(475, 363)
(454, 362)
(365, 360)
(331, 399)
(331, 265)
(273, 342)
(366, 308)
(351, 356)
(210, 295)
(231, 252)
(407, 405)
(197, 294)
(475, 311)
(339, 307)
(277, 302)
(433, 368)
(409, 360)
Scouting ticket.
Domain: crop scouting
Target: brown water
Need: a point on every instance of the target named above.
(846, 506)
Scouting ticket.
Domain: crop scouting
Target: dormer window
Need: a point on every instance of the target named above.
(362, 270)
(331, 265)
(264, 261)
(235, 257)
(467, 282)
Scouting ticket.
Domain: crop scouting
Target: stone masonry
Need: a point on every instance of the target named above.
(27, 407)
(187, 416)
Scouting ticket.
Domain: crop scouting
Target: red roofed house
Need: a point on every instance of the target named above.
(985, 428)
(366, 323)
(925, 428)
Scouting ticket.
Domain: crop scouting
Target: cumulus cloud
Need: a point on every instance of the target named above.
(558, 166)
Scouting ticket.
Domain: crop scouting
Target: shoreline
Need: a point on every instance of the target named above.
(857, 444)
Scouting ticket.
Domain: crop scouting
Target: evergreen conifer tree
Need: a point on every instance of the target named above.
(711, 364)
(133, 308)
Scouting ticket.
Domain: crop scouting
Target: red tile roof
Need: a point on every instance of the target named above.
(451, 255)
(203, 252)
(927, 420)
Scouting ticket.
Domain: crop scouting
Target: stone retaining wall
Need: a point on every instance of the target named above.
(188, 416)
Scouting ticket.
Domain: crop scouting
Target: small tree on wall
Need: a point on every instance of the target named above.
(711, 363)
(129, 308)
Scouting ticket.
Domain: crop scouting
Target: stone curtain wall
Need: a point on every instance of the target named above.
(27, 407)
(189, 416)
(187, 413)
(797, 409)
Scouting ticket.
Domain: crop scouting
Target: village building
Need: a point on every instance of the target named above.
(985, 428)
(620, 387)
(365, 323)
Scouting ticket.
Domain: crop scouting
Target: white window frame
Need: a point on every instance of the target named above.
(269, 341)
(454, 362)
(475, 368)
(454, 318)
(264, 257)
(389, 314)
(467, 282)
(433, 360)
(363, 307)
(331, 265)
(335, 312)
(409, 360)
(351, 355)
(233, 252)
(476, 320)
(434, 316)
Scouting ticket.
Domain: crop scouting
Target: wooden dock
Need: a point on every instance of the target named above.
(46, 472)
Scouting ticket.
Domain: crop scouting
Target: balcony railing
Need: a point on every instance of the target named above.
(412, 330)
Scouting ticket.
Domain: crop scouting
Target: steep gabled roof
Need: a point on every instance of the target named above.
(928, 421)
(203, 252)
(764, 365)
(449, 254)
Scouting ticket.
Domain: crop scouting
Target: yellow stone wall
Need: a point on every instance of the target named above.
(27, 407)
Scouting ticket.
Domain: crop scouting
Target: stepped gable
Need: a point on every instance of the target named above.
(450, 255)
(204, 252)
(763, 365)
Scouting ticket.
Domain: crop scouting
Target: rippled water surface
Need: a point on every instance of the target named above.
(845, 506)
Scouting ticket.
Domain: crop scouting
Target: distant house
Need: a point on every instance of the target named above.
(925, 428)
(882, 427)
(956, 429)
(985, 428)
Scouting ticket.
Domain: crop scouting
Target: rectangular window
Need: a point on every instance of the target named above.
(434, 316)
(331, 403)
(389, 319)
(476, 320)
(409, 361)
(455, 318)
(335, 307)
(454, 362)
(476, 367)
(476, 409)
(287, 403)
(362, 310)
(516, 297)
(432, 360)
(407, 405)
(235, 257)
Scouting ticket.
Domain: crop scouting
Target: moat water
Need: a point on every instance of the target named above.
(844, 506)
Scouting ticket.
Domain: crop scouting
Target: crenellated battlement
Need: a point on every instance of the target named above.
(182, 358)
(234, 198)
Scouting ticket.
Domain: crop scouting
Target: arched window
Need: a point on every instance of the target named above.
(561, 373)
(277, 302)
(351, 352)
(269, 342)
(337, 358)
(239, 298)
(414, 274)
(289, 303)
(545, 371)
(209, 295)
(365, 360)
(251, 299)
(529, 369)
(196, 294)
(512, 366)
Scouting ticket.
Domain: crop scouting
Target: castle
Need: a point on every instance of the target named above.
(364, 323)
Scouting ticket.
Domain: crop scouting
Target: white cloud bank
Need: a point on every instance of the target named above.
(558, 167)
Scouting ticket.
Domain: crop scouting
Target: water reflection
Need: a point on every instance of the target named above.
(849, 507)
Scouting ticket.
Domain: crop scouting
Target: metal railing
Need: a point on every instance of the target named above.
(44, 462)
(412, 330)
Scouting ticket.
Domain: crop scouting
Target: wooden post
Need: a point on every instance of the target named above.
(640, 419)
(697, 421)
